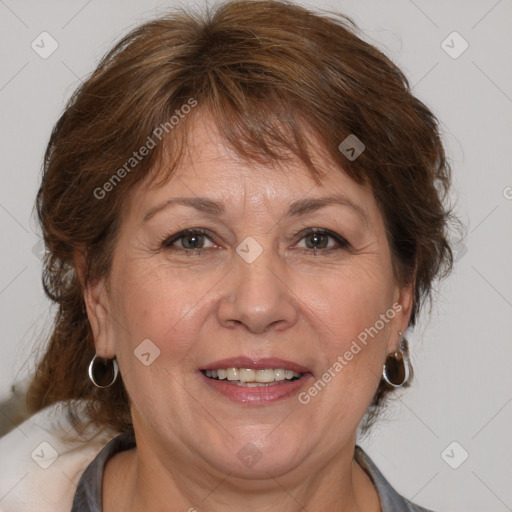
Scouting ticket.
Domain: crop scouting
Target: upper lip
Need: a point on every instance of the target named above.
(256, 364)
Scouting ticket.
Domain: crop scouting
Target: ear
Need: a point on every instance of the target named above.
(402, 305)
(97, 306)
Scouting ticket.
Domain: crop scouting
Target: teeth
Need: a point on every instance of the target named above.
(252, 377)
(232, 374)
(247, 375)
(279, 374)
(264, 376)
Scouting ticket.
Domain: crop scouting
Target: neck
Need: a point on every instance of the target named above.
(141, 479)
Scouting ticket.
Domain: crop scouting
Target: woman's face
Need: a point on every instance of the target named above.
(250, 287)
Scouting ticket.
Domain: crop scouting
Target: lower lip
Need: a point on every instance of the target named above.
(260, 394)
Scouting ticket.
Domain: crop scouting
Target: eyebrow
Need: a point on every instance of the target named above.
(297, 208)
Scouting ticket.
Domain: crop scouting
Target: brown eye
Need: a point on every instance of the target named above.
(323, 240)
(317, 241)
(188, 240)
(192, 241)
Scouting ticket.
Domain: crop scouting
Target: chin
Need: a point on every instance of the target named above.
(260, 457)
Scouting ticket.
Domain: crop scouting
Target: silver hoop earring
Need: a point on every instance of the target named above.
(399, 362)
(93, 368)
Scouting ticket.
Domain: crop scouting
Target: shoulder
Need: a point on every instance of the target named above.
(390, 499)
(41, 464)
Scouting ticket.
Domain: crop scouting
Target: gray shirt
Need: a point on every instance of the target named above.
(89, 491)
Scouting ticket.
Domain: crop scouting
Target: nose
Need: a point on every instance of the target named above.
(258, 296)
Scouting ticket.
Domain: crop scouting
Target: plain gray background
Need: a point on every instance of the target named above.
(462, 352)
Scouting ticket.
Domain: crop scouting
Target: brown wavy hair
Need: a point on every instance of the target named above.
(271, 74)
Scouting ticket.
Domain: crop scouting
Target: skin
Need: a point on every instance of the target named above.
(293, 302)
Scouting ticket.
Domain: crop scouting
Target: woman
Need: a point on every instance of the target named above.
(244, 213)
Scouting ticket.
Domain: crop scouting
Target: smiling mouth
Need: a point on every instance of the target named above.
(250, 378)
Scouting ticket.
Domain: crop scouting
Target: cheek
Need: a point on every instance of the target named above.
(347, 314)
(161, 304)
(351, 301)
(158, 318)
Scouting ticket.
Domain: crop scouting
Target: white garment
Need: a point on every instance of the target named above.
(39, 468)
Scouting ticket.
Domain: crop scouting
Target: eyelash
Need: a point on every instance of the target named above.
(168, 241)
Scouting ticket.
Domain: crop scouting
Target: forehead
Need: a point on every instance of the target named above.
(210, 168)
